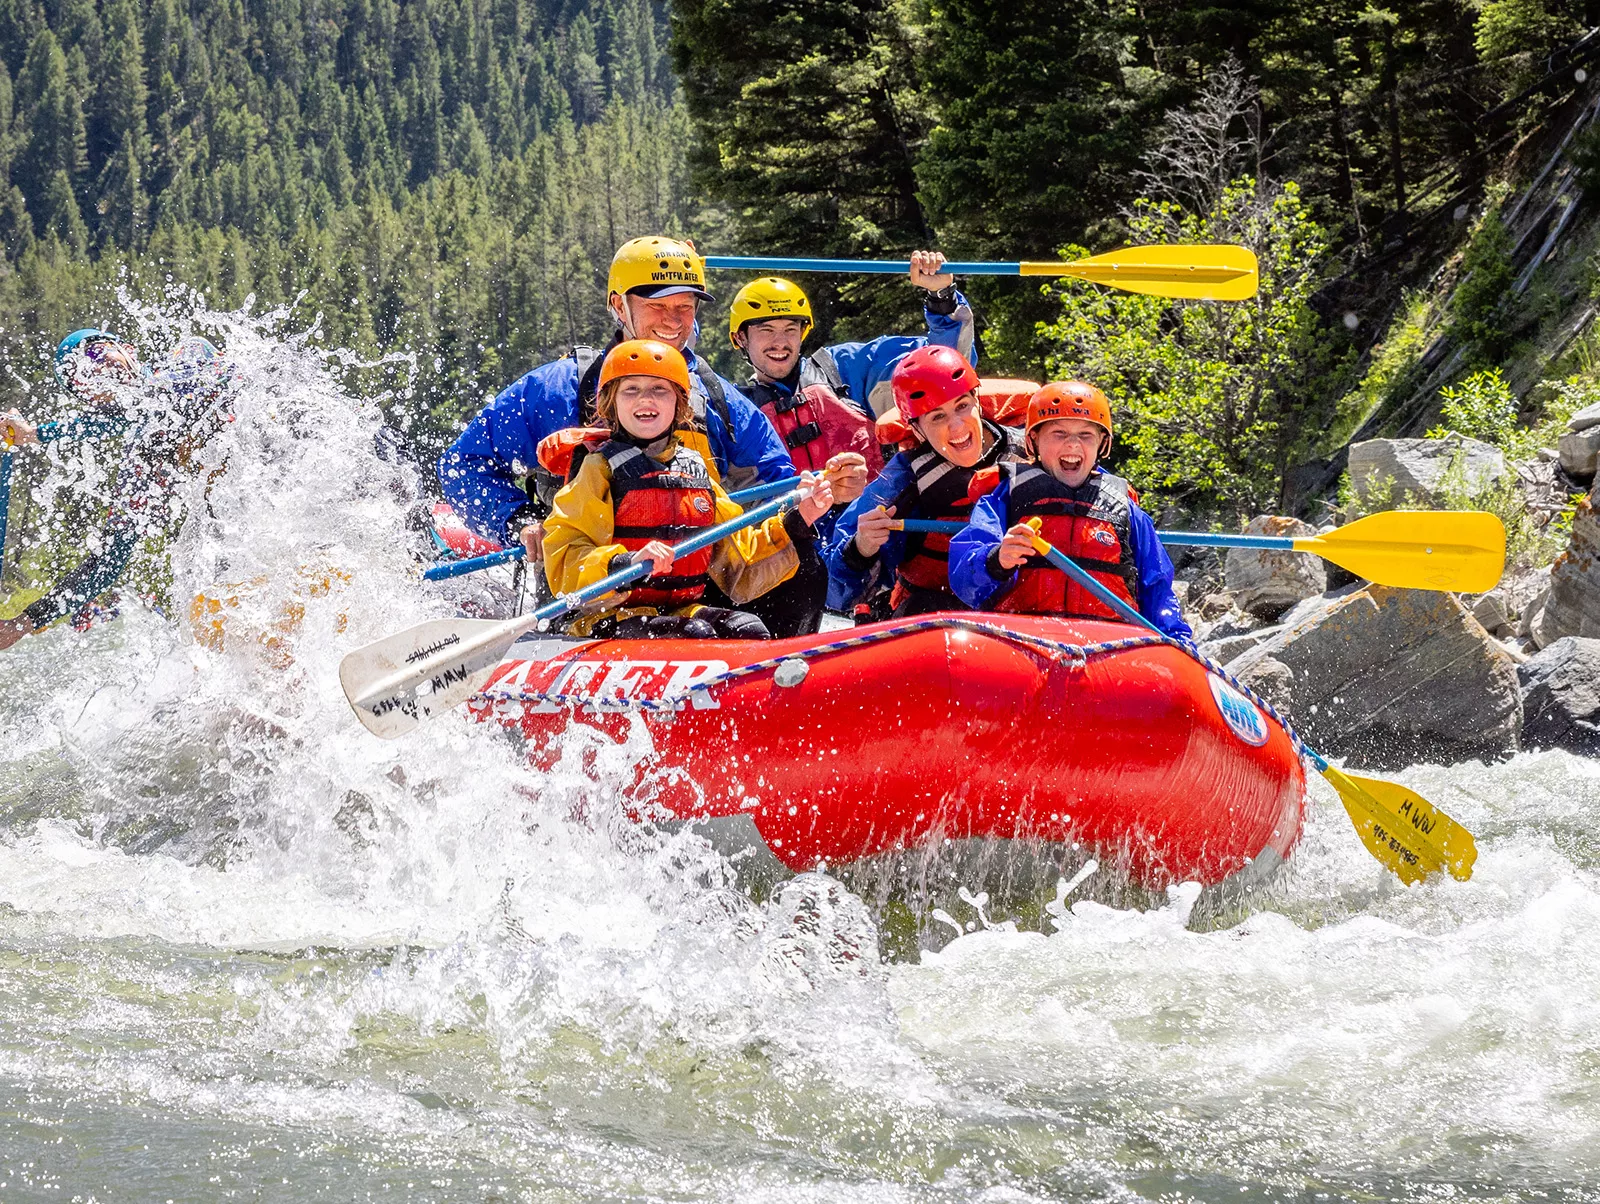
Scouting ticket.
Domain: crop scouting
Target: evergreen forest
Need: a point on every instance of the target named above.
(447, 179)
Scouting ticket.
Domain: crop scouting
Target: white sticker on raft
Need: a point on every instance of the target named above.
(612, 685)
(1242, 715)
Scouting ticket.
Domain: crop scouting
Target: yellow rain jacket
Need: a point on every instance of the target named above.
(579, 548)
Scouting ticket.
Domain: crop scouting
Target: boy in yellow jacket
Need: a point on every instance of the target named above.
(649, 485)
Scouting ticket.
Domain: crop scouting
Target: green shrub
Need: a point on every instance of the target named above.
(1481, 407)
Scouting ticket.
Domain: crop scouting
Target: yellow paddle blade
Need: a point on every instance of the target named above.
(1460, 550)
(1203, 272)
(1403, 830)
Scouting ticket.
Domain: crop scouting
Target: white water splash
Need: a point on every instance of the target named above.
(294, 960)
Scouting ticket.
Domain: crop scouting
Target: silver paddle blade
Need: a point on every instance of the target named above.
(402, 680)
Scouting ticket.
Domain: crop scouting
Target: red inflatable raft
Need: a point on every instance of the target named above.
(841, 746)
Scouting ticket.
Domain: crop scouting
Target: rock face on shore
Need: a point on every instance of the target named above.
(1579, 448)
(1265, 584)
(1422, 468)
(1389, 677)
(1572, 607)
(1561, 697)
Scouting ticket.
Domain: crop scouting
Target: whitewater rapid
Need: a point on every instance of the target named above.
(249, 951)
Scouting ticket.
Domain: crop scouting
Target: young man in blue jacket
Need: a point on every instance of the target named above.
(1088, 514)
(491, 473)
(824, 405)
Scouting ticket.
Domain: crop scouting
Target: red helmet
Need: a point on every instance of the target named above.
(1070, 399)
(928, 378)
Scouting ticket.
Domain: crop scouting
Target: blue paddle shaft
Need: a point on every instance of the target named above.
(870, 267)
(1211, 539)
(760, 493)
(460, 568)
(5, 504)
(633, 572)
(1081, 576)
(1204, 539)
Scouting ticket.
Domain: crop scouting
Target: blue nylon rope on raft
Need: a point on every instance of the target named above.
(1079, 654)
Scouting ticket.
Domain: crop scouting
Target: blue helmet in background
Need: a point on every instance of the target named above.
(78, 346)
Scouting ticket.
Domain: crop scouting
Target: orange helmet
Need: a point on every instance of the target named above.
(645, 357)
(1070, 399)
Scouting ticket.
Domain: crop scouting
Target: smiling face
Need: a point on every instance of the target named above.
(955, 430)
(1068, 449)
(773, 346)
(647, 406)
(670, 319)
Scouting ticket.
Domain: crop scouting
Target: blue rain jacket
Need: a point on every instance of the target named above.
(847, 583)
(481, 472)
(969, 563)
(866, 367)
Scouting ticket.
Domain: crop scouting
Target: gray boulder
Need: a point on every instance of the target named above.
(1423, 467)
(1561, 697)
(1585, 418)
(1388, 677)
(1265, 584)
(1223, 649)
(1490, 611)
(1580, 452)
(1573, 607)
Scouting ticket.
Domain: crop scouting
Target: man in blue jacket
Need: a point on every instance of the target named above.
(491, 473)
(1084, 511)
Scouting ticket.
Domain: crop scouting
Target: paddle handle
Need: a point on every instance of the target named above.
(868, 267)
(569, 602)
(460, 568)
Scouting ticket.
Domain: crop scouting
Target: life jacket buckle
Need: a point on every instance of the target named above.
(801, 435)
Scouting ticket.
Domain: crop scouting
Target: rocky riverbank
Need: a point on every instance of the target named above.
(1387, 677)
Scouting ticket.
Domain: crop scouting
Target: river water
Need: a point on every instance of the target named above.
(250, 952)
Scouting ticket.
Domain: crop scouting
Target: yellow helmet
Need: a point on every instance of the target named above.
(657, 267)
(769, 297)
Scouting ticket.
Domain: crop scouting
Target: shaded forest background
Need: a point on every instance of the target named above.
(447, 179)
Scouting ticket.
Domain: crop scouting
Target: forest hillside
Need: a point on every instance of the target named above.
(443, 182)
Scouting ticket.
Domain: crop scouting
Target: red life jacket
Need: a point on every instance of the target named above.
(942, 490)
(1092, 525)
(815, 421)
(667, 501)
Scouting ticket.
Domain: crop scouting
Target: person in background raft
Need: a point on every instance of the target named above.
(957, 461)
(491, 475)
(649, 485)
(164, 418)
(1085, 512)
(824, 404)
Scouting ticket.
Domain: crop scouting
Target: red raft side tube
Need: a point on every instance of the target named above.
(948, 726)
